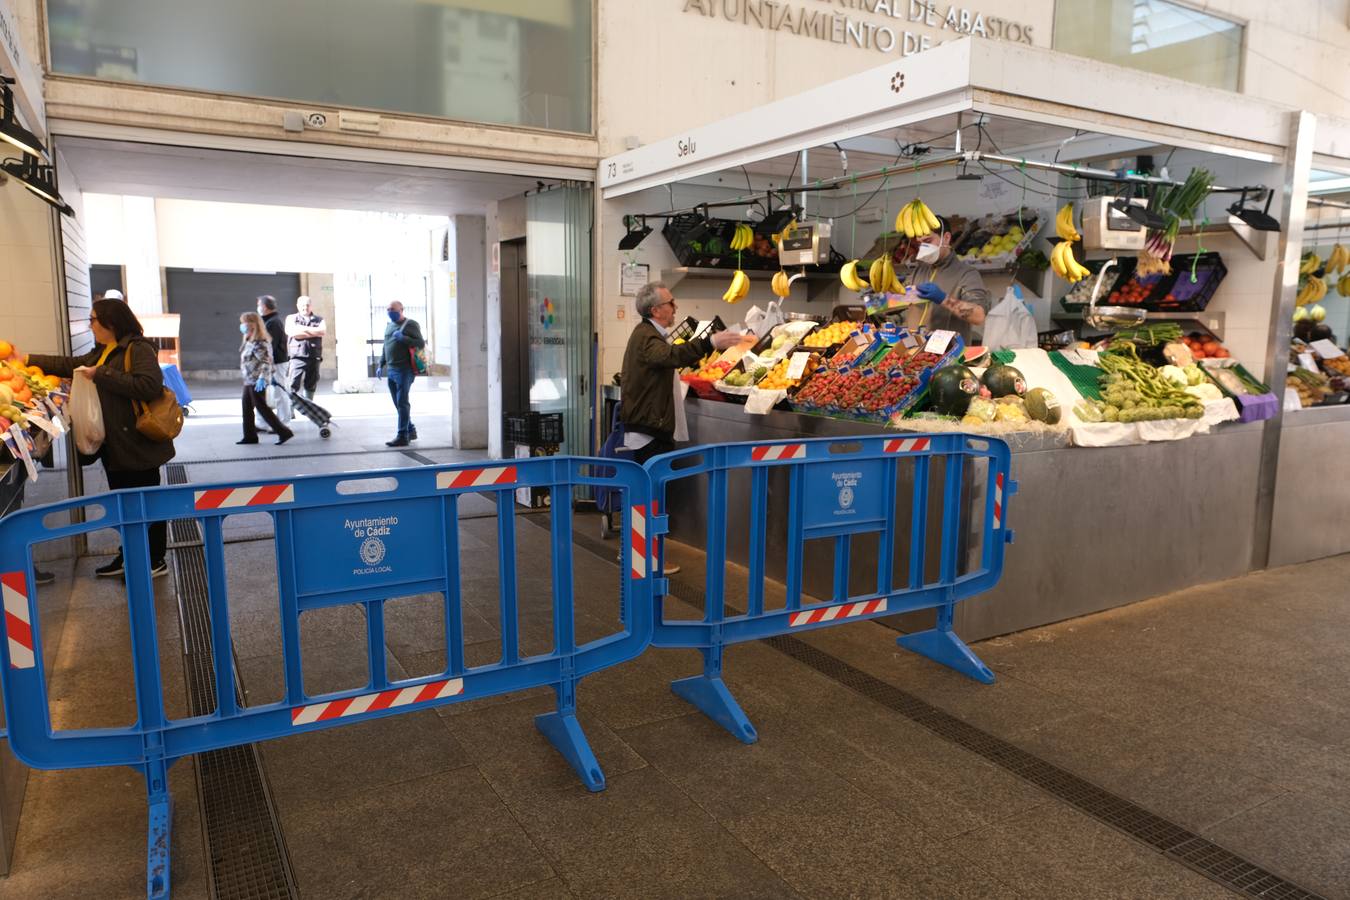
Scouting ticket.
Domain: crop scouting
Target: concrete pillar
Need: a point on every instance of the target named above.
(469, 345)
(140, 236)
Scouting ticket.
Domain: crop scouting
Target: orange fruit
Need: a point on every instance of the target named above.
(6, 349)
(23, 396)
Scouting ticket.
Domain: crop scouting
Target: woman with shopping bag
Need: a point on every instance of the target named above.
(124, 369)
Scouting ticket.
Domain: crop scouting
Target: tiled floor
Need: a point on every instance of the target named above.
(1222, 708)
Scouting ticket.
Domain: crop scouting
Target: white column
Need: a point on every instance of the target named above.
(469, 346)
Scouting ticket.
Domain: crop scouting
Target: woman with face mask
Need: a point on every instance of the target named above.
(956, 295)
(255, 365)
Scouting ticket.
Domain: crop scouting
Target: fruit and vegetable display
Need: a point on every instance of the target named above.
(1136, 290)
(777, 378)
(831, 334)
(1205, 347)
(1312, 387)
(995, 239)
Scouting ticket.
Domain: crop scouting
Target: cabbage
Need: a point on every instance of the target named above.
(1175, 373)
(1205, 392)
(1195, 375)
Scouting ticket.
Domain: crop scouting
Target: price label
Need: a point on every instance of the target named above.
(1306, 360)
(1326, 349)
(939, 342)
(761, 402)
(1080, 357)
(1292, 403)
(21, 444)
(46, 425)
(797, 367)
(908, 340)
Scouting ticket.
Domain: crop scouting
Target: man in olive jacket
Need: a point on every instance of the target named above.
(649, 378)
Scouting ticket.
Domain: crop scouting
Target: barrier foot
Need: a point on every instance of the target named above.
(709, 694)
(945, 647)
(157, 854)
(564, 733)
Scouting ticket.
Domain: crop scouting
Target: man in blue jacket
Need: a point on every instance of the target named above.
(401, 337)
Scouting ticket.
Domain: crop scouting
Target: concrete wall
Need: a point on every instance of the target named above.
(28, 254)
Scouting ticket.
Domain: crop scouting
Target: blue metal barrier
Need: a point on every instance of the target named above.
(837, 489)
(376, 546)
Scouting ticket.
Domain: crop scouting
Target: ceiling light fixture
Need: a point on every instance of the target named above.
(638, 229)
(1260, 220)
(10, 129)
(39, 179)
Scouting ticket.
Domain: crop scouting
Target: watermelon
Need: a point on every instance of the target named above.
(1043, 406)
(977, 356)
(1004, 380)
(951, 388)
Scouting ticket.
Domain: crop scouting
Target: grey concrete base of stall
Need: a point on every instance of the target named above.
(1220, 708)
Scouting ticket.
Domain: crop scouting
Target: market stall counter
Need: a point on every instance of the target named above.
(1310, 520)
(1096, 527)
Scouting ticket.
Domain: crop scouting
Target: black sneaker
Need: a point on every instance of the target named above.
(41, 577)
(412, 434)
(111, 569)
(399, 441)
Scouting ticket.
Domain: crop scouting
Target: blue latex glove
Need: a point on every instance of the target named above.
(260, 385)
(931, 292)
(381, 372)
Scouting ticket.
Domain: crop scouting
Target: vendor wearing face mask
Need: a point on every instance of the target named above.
(956, 295)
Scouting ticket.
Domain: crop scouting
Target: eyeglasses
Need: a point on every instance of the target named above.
(670, 302)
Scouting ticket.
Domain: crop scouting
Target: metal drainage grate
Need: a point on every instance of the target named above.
(244, 845)
(417, 457)
(1184, 846)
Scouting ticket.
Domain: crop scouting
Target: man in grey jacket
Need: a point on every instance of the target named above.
(956, 295)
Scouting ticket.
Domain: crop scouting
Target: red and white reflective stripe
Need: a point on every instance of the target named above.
(471, 478)
(907, 445)
(998, 500)
(18, 621)
(395, 697)
(638, 540)
(842, 611)
(778, 451)
(228, 498)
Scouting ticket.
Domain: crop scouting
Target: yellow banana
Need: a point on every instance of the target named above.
(1321, 287)
(874, 277)
(930, 217)
(848, 274)
(1311, 263)
(1064, 224)
(1344, 286)
(779, 284)
(1057, 261)
(902, 222)
(740, 286)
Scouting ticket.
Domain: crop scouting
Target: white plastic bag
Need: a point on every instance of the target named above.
(1009, 324)
(86, 416)
(762, 321)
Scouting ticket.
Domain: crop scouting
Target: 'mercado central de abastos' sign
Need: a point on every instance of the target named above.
(830, 20)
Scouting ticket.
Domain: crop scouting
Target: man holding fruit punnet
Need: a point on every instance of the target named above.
(956, 295)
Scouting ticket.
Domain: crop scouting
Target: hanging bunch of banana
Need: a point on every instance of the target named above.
(743, 238)
(1343, 286)
(780, 285)
(1338, 260)
(788, 230)
(1310, 263)
(1313, 290)
(916, 220)
(1061, 258)
(881, 276)
(848, 274)
(740, 286)
(1064, 224)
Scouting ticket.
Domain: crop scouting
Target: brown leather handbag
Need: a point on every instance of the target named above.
(162, 418)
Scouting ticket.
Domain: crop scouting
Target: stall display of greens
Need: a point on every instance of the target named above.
(1175, 204)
